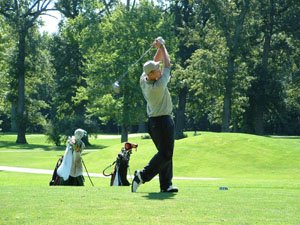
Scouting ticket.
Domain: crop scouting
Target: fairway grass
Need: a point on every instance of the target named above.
(262, 175)
(248, 201)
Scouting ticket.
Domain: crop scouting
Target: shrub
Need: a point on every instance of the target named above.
(52, 134)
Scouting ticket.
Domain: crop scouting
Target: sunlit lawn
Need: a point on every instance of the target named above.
(261, 173)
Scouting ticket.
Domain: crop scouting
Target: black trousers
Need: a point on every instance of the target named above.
(161, 130)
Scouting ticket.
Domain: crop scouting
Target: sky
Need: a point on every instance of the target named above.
(51, 23)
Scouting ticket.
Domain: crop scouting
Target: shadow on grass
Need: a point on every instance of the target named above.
(282, 137)
(159, 196)
(14, 146)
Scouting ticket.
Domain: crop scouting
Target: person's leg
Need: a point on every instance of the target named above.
(166, 173)
(165, 176)
(161, 130)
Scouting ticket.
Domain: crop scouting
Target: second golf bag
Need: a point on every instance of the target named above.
(119, 174)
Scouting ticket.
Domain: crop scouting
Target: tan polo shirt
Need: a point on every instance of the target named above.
(156, 93)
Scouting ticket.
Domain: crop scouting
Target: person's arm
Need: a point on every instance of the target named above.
(158, 54)
(161, 53)
(165, 56)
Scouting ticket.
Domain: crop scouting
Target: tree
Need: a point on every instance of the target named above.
(271, 23)
(21, 16)
(70, 107)
(120, 40)
(229, 17)
(39, 80)
(206, 75)
(187, 15)
(7, 44)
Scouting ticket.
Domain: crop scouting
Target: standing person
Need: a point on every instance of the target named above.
(153, 83)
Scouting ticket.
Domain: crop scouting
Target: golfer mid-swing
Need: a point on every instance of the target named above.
(153, 83)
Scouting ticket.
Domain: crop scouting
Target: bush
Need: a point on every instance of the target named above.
(146, 136)
(58, 131)
(52, 134)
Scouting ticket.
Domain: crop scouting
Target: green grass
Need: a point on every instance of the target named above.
(262, 174)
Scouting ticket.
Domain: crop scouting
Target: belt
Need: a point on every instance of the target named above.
(158, 117)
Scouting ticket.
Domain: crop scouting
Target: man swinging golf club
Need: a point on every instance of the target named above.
(153, 83)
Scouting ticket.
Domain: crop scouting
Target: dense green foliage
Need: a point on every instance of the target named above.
(235, 65)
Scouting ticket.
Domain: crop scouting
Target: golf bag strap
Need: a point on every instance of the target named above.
(107, 175)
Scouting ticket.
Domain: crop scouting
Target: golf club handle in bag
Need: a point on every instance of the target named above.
(134, 64)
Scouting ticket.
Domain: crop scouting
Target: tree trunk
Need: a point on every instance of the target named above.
(226, 113)
(228, 93)
(21, 116)
(235, 126)
(142, 127)
(259, 114)
(13, 117)
(180, 119)
(124, 133)
(260, 100)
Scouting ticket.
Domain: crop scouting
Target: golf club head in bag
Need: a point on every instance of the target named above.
(129, 146)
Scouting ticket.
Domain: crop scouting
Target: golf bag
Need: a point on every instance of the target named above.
(55, 178)
(119, 174)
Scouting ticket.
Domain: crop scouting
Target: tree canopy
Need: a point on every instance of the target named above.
(235, 65)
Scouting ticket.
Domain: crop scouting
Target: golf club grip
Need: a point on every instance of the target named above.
(134, 64)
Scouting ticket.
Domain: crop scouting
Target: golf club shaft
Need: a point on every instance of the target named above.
(134, 64)
(87, 171)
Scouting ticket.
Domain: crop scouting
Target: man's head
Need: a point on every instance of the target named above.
(152, 69)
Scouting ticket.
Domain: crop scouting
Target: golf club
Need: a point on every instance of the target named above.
(116, 85)
(87, 171)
